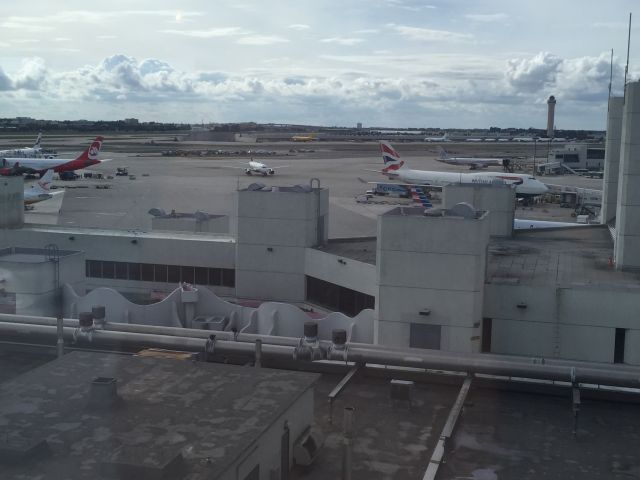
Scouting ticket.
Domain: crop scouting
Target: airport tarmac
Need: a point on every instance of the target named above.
(187, 184)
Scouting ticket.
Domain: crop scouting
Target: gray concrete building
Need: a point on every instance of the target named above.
(628, 205)
(612, 160)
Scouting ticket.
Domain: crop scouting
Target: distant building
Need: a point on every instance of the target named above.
(579, 155)
(131, 121)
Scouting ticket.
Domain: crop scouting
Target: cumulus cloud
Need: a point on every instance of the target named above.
(582, 79)
(144, 85)
(428, 34)
(533, 74)
(31, 75)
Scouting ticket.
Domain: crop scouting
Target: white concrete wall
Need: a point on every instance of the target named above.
(576, 322)
(11, 201)
(498, 201)
(612, 159)
(352, 274)
(299, 416)
(173, 249)
(34, 283)
(436, 264)
(627, 251)
(274, 230)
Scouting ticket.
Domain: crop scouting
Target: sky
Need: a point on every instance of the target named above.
(385, 63)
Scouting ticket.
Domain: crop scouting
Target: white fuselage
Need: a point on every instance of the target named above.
(525, 185)
(261, 168)
(36, 164)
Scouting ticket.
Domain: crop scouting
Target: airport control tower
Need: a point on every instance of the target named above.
(551, 104)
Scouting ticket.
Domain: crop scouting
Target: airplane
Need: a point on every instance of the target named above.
(257, 167)
(526, 186)
(40, 191)
(303, 138)
(17, 166)
(24, 152)
(473, 163)
(444, 138)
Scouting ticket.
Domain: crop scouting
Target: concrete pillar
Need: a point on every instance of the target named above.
(612, 159)
(627, 247)
(11, 202)
(431, 273)
(275, 227)
(498, 200)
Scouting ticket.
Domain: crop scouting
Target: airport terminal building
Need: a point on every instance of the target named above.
(455, 279)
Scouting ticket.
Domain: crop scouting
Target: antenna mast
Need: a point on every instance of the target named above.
(610, 79)
(626, 67)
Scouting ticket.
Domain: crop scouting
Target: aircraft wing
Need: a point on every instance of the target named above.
(279, 166)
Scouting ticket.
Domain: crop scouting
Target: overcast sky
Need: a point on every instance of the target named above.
(403, 63)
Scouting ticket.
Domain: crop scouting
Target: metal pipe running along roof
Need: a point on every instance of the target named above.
(574, 373)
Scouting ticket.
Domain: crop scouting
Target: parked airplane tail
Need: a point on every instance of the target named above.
(38, 140)
(85, 159)
(419, 197)
(443, 154)
(45, 181)
(390, 157)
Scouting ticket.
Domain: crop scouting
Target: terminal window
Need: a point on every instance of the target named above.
(149, 272)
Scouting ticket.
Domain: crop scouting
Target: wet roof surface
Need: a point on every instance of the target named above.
(500, 434)
(572, 256)
(167, 408)
(569, 256)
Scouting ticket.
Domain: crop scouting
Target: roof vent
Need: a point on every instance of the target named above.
(157, 212)
(310, 332)
(103, 393)
(339, 337)
(201, 216)
(464, 210)
(85, 319)
(255, 187)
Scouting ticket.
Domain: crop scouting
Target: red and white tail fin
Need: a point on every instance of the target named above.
(390, 157)
(91, 153)
(45, 182)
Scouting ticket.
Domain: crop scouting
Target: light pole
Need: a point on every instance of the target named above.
(535, 141)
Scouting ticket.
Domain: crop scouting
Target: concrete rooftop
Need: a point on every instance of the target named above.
(500, 435)
(168, 407)
(571, 256)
